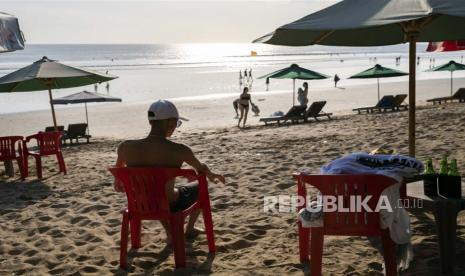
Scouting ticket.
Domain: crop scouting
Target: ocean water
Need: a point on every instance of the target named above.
(205, 71)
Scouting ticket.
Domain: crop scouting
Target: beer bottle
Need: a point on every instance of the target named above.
(430, 179)
(454, 183)
(443, 177)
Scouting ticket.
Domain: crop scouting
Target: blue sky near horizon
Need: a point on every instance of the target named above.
(156, 21)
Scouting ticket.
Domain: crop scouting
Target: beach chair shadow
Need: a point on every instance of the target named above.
(386, 102)
(18, 194)
(145, 191)
(459, 96)
(294, 114)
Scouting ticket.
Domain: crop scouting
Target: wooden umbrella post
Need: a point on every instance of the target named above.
(378, 88)
(451, 82)
(412, 37)
(87, 120)
(49, 84)
(293, 92)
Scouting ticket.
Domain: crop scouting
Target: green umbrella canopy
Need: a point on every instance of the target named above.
(376, 23)
(295, 72)
(47, 74)
(377, 72)
(451, 66)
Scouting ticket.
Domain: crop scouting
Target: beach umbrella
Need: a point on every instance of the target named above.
(11, 37)
(85, 97)
(47, 74)
(451, 66)
(295, 72)
(377, 23)
(377, 72)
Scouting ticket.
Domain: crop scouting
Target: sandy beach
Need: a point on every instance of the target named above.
(70, 225)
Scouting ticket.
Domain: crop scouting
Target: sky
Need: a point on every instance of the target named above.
(154, 21)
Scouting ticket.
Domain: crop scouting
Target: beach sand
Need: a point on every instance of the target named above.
(70, 225)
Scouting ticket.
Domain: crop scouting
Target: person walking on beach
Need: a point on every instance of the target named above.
(302, 95)
(95, 88)
(336, 79)
(244, 101)
(157, 150)
(107, 87)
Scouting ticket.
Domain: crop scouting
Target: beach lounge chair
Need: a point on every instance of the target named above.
(315, 111)
(145, 191)
(76, 131)
(386, 102)
(351, 223)
(459, 95)
(48, 143)
(52, 128)
(10, 150)
(399, 102)
(294, 114)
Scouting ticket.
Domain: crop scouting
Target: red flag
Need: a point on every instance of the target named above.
(446, 46)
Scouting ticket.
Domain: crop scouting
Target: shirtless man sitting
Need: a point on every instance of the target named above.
(156, 150)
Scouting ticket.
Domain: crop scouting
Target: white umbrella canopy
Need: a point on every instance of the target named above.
(85, 97)
(377, 23)
(11, 37)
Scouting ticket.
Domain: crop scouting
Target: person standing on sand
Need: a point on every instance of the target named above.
(244, 101)
(302, 95)
(336, 79)
(236, 107)
(157, 150)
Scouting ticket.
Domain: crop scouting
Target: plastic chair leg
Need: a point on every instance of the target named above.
(38, 166)
(61, 162)
(135, 233)
(177, 235)
(21, 167)
(304, 239)
(389, 253)
(316, 251)
(26, 166)
(123, 251)
(208, 222)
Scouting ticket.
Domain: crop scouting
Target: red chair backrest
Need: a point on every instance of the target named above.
(343, 187)
(49, 142)
(8, 147)
(145, 188)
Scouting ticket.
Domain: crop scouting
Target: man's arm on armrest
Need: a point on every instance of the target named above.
(120, 162)
(201, 168)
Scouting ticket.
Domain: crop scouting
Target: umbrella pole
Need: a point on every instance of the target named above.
(451, 80)
(87, 119)
(53, 109)
(378, 89)
(293, 93)
(412, 78)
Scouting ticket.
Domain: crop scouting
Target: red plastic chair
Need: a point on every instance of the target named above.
(145, 191)
(345, 223)
(48, 143)
(9, 151)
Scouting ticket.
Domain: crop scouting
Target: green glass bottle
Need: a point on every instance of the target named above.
(430, 179)
(443, 178)
(454, 183)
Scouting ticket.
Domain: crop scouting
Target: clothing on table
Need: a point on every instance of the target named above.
(188, 194)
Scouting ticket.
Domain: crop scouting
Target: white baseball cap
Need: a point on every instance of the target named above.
(162, 110)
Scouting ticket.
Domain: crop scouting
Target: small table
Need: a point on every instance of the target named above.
(445, 212)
